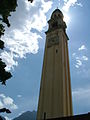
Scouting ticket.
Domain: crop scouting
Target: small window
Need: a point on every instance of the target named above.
(56, 50)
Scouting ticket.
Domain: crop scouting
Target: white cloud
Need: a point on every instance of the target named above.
(79, 4)
(13, 107)
(28, 5)
(80, 58)
(7, 57)
(79, 62)
(2, 95)
(19, 96)
(1, 104)
(70, 3)
(65, 0)
(7, 102)
(39, 21)
(7, 118)
(77, 66)
(19, 38)
(85, 58)
(83, 47)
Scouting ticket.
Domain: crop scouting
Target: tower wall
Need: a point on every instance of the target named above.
(55, 98)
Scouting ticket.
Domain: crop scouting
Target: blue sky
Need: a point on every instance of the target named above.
(25, 41)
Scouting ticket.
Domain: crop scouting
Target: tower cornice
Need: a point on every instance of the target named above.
(56, 22)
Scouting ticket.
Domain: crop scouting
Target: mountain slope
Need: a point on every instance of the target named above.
(27, 116)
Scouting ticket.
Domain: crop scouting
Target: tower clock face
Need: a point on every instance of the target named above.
(53, 41)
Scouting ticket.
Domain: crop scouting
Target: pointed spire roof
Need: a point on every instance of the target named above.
(57, 12)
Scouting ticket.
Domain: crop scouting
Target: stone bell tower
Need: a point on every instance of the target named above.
(55, 99)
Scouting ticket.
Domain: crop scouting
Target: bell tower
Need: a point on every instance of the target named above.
(55, 99)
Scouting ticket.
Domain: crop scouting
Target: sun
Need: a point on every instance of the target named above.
(66, 18)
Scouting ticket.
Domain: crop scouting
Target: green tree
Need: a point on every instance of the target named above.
(6, 7)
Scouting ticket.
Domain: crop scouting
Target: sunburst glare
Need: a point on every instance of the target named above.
(66, 18)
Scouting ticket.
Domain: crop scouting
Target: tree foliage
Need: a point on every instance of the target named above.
(4, 110)
(6, 7)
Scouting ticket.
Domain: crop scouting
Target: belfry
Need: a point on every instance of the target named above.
(55, 99)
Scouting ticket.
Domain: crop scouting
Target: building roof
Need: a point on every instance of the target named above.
(75, 117)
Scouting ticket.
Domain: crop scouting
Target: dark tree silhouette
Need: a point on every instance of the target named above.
(6, 7)
(30, 1)
(4, 110)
